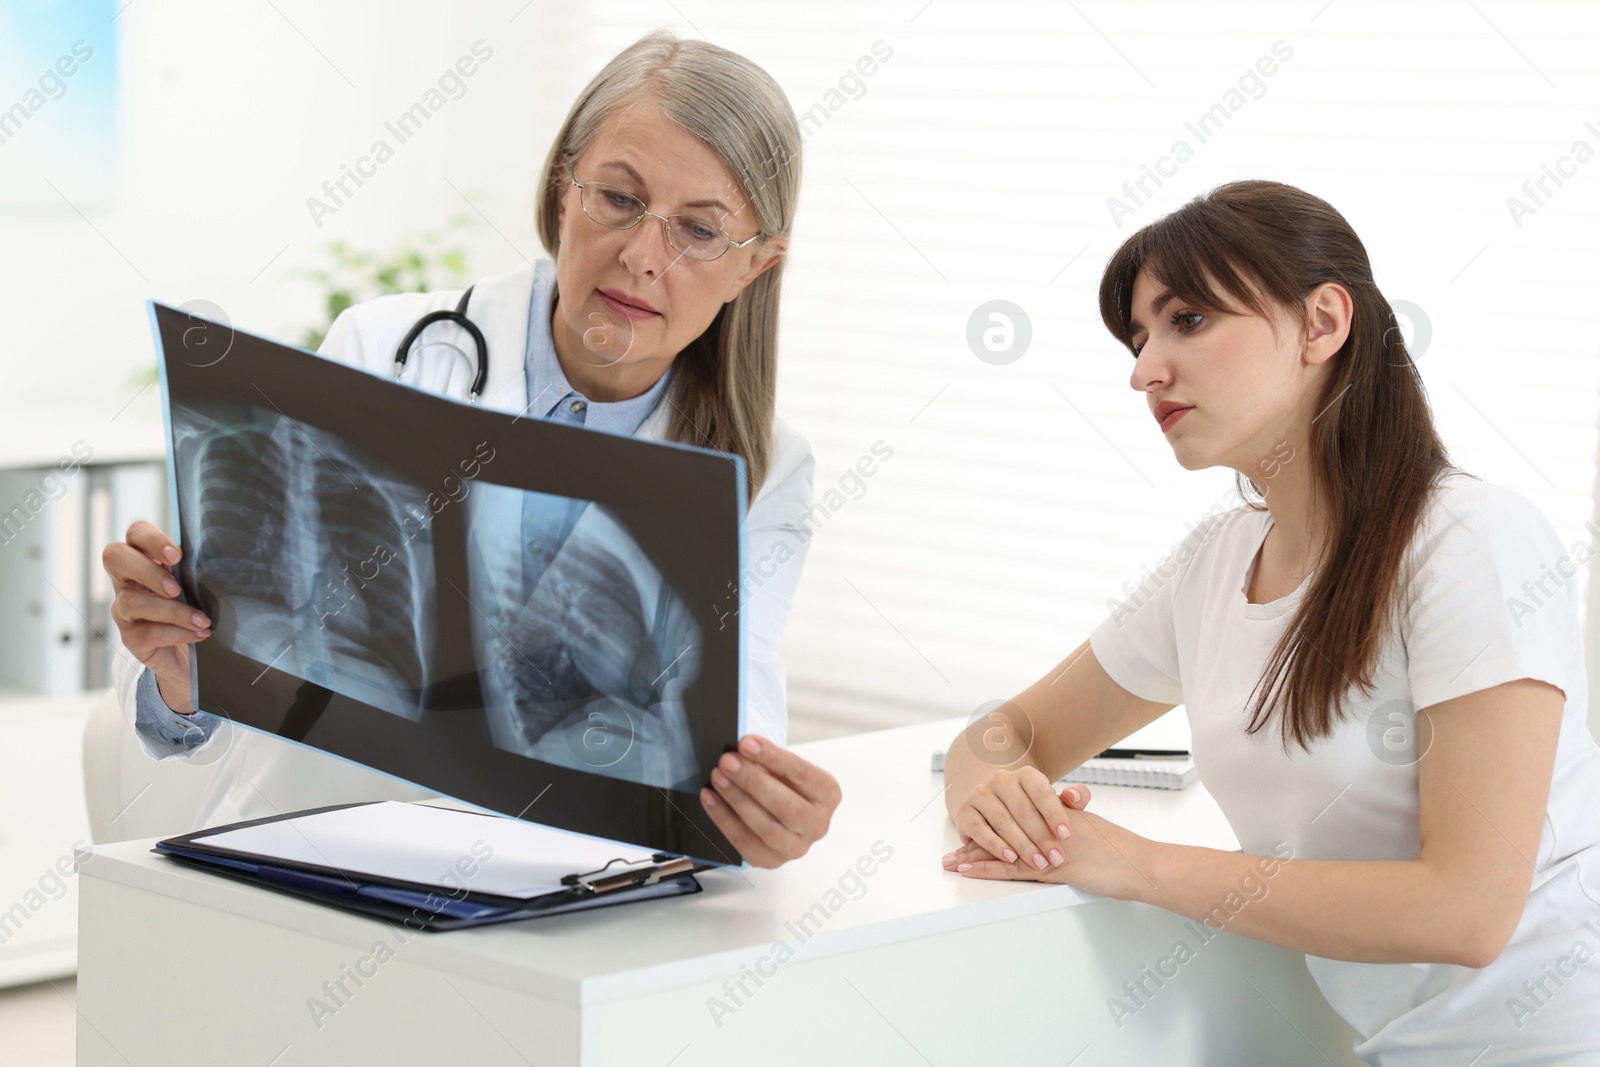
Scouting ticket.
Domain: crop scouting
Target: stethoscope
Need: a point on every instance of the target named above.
(459, 317)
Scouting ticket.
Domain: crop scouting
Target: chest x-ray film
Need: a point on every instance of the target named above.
(528, 616)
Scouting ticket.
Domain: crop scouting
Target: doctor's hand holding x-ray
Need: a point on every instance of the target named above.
(664, 247)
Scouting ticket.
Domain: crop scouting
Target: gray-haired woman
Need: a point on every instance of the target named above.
(665, 329)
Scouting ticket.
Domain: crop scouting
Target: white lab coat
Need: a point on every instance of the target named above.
(258, 774)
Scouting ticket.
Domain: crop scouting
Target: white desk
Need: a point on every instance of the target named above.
(911, 965)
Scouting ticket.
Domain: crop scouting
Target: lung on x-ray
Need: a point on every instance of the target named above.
(523, 614)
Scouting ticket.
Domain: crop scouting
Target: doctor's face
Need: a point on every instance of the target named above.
(628, 301)
(1246, 387)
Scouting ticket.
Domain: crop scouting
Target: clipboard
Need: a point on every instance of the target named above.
(424, 905)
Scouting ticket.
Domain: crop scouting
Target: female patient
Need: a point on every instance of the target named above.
(668, 226)
(1379, 656)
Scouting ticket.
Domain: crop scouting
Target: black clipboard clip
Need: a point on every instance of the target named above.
(640, 872)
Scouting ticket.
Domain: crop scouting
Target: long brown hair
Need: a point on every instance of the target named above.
(724, 382)
(1375, 454)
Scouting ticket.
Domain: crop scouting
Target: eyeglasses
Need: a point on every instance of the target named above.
(687, 235)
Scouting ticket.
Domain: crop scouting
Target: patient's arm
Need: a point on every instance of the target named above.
(998, 771)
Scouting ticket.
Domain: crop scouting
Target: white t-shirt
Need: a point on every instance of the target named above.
(1497, 601)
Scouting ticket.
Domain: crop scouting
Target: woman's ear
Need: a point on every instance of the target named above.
(772, 250)
(1328, 312)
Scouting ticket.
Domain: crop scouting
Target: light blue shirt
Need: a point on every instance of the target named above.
(544, 527)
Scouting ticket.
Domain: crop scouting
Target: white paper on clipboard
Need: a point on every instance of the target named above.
(394, 841)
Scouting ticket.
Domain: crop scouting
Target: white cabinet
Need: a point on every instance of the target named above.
(42, 821)
(70, 480)
(55, 596)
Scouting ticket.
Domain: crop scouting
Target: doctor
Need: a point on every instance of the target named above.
(668, 224)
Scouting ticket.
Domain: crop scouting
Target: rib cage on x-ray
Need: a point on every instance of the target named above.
(591, 670)
(325, 570)
(582, 636)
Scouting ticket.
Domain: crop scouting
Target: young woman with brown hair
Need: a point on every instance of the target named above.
(1377, 704)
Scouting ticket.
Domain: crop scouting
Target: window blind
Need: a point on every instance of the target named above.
(996, 154)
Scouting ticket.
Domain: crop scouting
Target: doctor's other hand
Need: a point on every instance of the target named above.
(1017, 816)
(770, 803)
(155, 625)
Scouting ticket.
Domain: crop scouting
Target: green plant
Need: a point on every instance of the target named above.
(433, 260)
(417, 266)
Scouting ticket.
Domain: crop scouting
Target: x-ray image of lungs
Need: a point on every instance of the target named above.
(585, 651)
(312, 563)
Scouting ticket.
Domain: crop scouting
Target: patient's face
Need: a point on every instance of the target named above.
(1248, 386)
(644, 155)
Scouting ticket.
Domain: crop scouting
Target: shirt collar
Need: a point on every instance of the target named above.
(548, 387)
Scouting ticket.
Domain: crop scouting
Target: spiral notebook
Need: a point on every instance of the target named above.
(1151, 773)
(1162, 773)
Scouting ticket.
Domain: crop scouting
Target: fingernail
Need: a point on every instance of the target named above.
(721, 779)
(1011, 857)
(949, 858)
(731, 762)
(1077, 797)
(1039, 861)
(170, 586)
(750, 746)
(171, 553)
(1068, 830)
(709, 797)
(1062, 832)
(965, 867)
(1055, 856)
(199, 620)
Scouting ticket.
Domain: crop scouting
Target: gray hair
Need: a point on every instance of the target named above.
(725, 381)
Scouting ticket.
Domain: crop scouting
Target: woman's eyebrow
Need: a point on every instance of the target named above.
(1134, 326)
(620, 165)
(617, 163)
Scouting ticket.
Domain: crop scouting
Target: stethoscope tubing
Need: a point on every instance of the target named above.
(459, 317)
